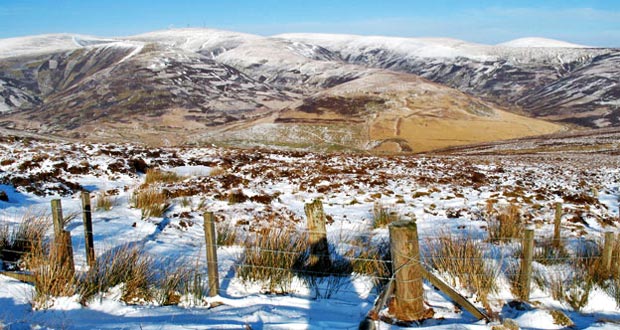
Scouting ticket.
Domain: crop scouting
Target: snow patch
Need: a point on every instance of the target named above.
(540, 43)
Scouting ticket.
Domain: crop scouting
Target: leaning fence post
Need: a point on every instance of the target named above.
(408, 303)
(557, 223)
(88, 228)
(212, 269)
(525, 275)
(317, 238)
(607, 251)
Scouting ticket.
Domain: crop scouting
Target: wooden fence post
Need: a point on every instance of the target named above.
(607, 251)
(212, 269)
(88, 228)
(558, 221)
(57, 217)
(317, 238)
(62, 252)
(65, 254)
(525, 275)
(617, 259)
(408, 302)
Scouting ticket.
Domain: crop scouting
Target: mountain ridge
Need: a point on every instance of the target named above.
(213, 85)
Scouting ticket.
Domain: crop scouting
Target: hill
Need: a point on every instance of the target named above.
(191, 86)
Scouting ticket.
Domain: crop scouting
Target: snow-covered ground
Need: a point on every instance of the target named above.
(443, 194)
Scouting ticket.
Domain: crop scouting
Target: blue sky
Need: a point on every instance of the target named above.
(595, 23)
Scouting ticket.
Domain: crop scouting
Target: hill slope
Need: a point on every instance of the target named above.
(204, 85)
(558, 81)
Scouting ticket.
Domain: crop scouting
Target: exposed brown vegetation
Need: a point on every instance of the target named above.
(462, 259)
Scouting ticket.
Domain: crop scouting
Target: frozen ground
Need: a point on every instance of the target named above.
(444, 193)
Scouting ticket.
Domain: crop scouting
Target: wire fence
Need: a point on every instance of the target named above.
(361, 264)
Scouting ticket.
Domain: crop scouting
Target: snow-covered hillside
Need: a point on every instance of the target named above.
(209, 42)
(444, 195)
(45, 44)
(535, 74)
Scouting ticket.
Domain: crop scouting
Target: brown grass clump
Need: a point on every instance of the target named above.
(53, 274)
(104, 202)
(271, 258)
(462, 260)
(155, 175)
(382, 215)
(226, 235)
(128, 265)
(572, 289)
(172, 284)
(217, 171)
(506, 225)
(17, 242)
(588, 271)
(367, 259)
(152, 202)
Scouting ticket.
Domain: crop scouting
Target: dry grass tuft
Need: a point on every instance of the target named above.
(271, 258)
(128, 265)
(383, 215)
(462, 260)
(217, 171)
(155, 175)
(172, 284)
(588, 262)
(368, 259)
(53, 276)
(506, 225)
(572, 289)
(152, 202)
(613, 289)
(17, 242)
(104, 202)
(226, 235)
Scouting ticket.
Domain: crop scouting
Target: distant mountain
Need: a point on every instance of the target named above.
(302, 90)
(544, 78)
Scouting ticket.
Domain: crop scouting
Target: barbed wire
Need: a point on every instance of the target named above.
(309, 272)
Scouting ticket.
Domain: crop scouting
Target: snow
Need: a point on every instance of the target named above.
(137, 48)
(168, 240)
(420, 47)
(4, 107)
(196, 170)
(46, 43)
(540, 42)
(528, 50)
(206, 41)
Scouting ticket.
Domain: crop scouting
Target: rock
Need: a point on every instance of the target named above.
(520, 305)
(3, 196)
